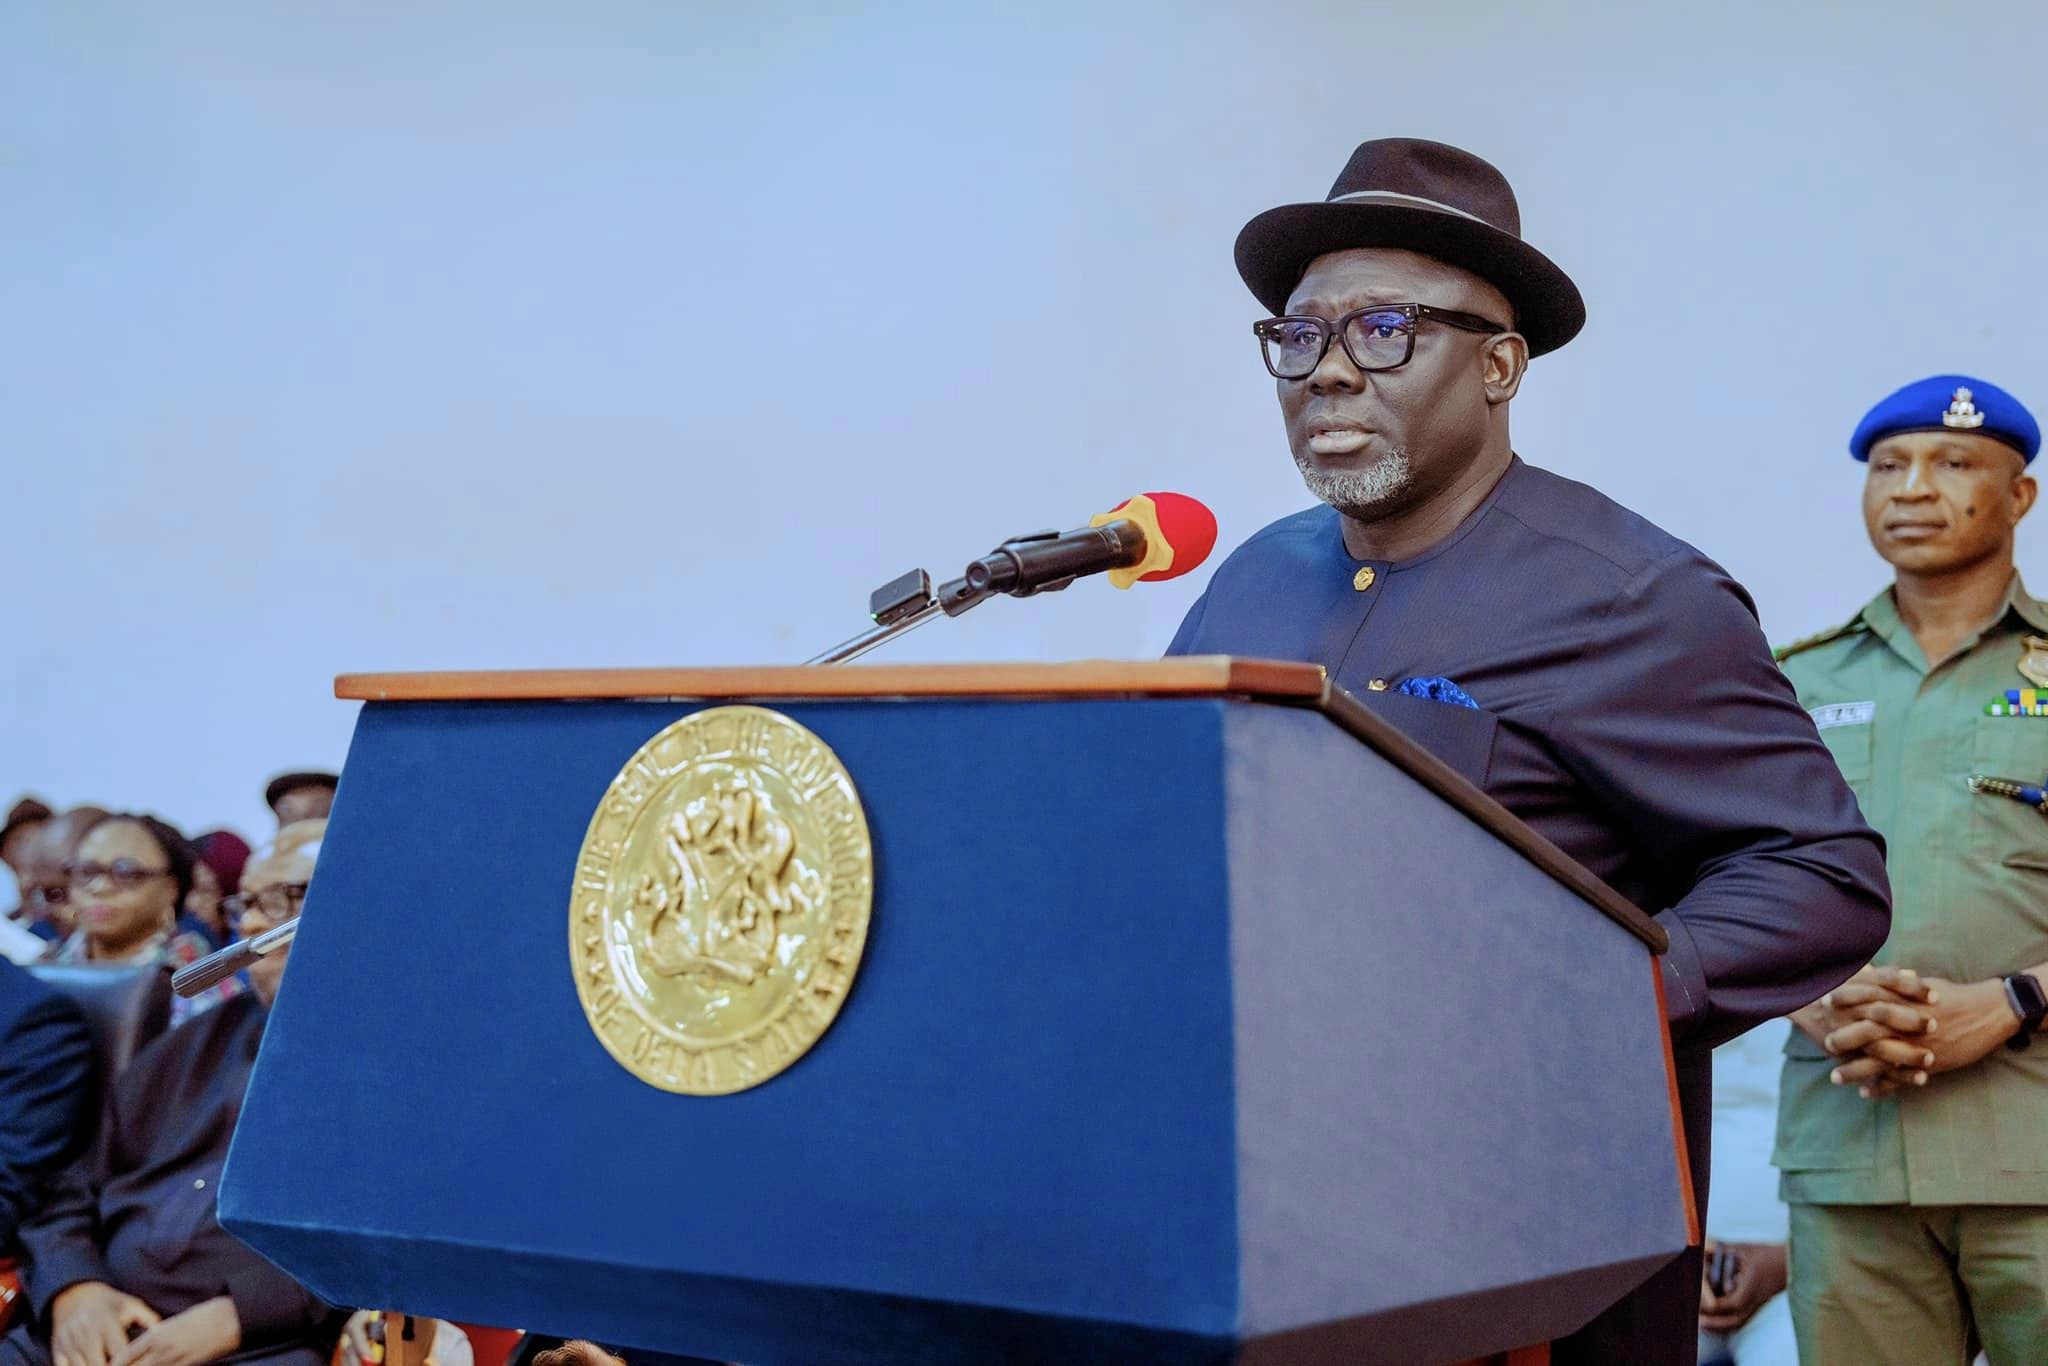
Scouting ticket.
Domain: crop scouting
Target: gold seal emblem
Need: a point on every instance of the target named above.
(721, 901)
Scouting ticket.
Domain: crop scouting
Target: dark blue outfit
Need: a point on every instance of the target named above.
(46, 1067)
(136, 1210)
(1628, 708)
(191, 924)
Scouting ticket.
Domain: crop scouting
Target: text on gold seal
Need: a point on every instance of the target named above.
(721, 901)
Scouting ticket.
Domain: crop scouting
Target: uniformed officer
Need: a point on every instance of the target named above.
(1913, 1115)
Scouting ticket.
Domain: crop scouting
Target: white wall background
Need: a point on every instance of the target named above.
(390, 335)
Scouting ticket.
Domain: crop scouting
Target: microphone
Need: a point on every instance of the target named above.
(1144, 539)
(1148, 538)
(196, 977)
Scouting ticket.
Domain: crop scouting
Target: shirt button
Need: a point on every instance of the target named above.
(199, 1183)
(1377, 685)
(1363, 579)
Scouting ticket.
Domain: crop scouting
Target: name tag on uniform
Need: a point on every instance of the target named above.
(1843, 714)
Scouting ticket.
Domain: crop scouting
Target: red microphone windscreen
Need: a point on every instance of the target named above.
(1187, 526)
(1179, 534)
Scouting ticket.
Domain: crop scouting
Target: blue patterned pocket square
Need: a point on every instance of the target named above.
(1437, 690)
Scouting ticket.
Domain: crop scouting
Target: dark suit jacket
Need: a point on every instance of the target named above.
(1629, 709)
(137, 1210)
(46, 1065)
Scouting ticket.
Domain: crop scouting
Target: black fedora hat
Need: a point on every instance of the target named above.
(1426, 197)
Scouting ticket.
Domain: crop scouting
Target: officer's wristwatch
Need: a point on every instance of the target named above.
(2023, 993)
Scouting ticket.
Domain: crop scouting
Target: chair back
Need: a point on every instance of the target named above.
(125, 1006)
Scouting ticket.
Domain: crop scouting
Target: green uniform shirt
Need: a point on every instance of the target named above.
(1969, 877)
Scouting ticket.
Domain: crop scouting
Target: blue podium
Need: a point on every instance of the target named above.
(1179, 1036)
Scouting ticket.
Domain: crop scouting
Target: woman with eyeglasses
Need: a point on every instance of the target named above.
(129, 875)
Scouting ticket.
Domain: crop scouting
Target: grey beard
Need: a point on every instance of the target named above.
(1358, 492)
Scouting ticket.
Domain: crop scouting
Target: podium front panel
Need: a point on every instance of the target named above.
(1024, 1104)
(1112, 1082)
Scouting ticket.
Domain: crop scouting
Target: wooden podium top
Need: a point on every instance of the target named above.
(1191, 675)
(1282, 681)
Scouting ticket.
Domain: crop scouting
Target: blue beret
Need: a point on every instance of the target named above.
(1949, 403)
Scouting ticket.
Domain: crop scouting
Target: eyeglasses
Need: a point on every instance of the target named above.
(124, 873)
(1378, 338)
(272, 903)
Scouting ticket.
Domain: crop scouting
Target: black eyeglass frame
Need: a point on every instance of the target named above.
(124, 873)
(1339, 327)
(233, 908)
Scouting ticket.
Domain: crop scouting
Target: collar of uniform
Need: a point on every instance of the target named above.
(1881, 613)
(2030, 609)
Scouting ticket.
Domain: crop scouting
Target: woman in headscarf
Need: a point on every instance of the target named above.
(218, 857)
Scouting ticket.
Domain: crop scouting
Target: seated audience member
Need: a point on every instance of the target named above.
(300, 796)
(576, 1352)
(46, 1064)
(18, 943)
(537, 1349)
(1746, 1320)
(129, 874)
(128, 1242)
(218, 857)
(45, 885)
(24, 819)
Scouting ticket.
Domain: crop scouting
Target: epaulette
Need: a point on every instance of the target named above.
(1785, 652)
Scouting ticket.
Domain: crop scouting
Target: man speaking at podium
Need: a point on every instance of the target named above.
(1603, 680)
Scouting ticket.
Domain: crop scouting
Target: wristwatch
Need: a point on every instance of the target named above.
(2023, 993)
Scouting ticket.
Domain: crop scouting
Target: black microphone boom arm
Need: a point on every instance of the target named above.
(1039, 562)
